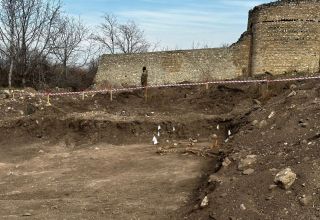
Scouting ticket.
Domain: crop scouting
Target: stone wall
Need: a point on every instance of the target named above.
(169, 67)
(241, 54)
(282, 36)
(285, 37)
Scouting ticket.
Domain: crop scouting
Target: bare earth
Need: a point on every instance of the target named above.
(94, 159)
(100, 182)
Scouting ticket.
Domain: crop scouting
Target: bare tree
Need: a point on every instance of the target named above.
(27, 30)
(130, 39)
(8, 33)
(108, 33)
(37, 23)
(198, 45)
(68, 44)
(121, 38)
(225, 45)
(12, 19)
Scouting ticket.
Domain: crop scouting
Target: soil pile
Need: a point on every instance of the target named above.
(284, 132)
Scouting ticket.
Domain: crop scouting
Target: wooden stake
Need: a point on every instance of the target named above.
(48, 100)
(215, 143)
(111, 95)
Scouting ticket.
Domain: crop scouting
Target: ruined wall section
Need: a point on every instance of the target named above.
(241, 54)
(285, 37)
(170, 67)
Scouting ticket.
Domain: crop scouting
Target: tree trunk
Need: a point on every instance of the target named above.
(65, 70)
(24, 52)
(10, 74)
(24, 80)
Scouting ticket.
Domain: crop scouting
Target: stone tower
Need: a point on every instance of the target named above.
(285, 37)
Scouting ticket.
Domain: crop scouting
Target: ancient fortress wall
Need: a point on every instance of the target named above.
(282, 36)
(285, 37)
(171, 66)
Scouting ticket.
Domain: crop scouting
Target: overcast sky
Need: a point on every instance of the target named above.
(174, 23)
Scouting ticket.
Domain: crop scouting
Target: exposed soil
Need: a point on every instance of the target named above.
(290, 138)
(94, 159)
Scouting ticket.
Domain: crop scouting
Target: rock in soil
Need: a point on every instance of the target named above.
(214, 179)
(263, 123)
(255, 122)
(305, 200)
(248, 161)
(243, 207)
(226, 162)
(3, 96)
(248, 172)
(293, 93)
(273, 186)
(285, 178)
(205, 202)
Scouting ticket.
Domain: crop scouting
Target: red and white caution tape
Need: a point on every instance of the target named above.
(177, 85)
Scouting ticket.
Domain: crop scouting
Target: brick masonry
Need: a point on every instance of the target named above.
(282, 36)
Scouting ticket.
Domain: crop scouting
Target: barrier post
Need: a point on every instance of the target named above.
(111, 94)
(48, 100)
(207, 87)
(82, 96)
(264, 89)
(268, 82)
(215, 142)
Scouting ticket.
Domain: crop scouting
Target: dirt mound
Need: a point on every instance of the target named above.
(282, 133)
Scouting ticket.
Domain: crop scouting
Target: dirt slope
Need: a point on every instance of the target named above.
(289, 136)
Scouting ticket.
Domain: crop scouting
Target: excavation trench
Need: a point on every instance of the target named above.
(101, 163)
(121, 132)
(105, 168)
